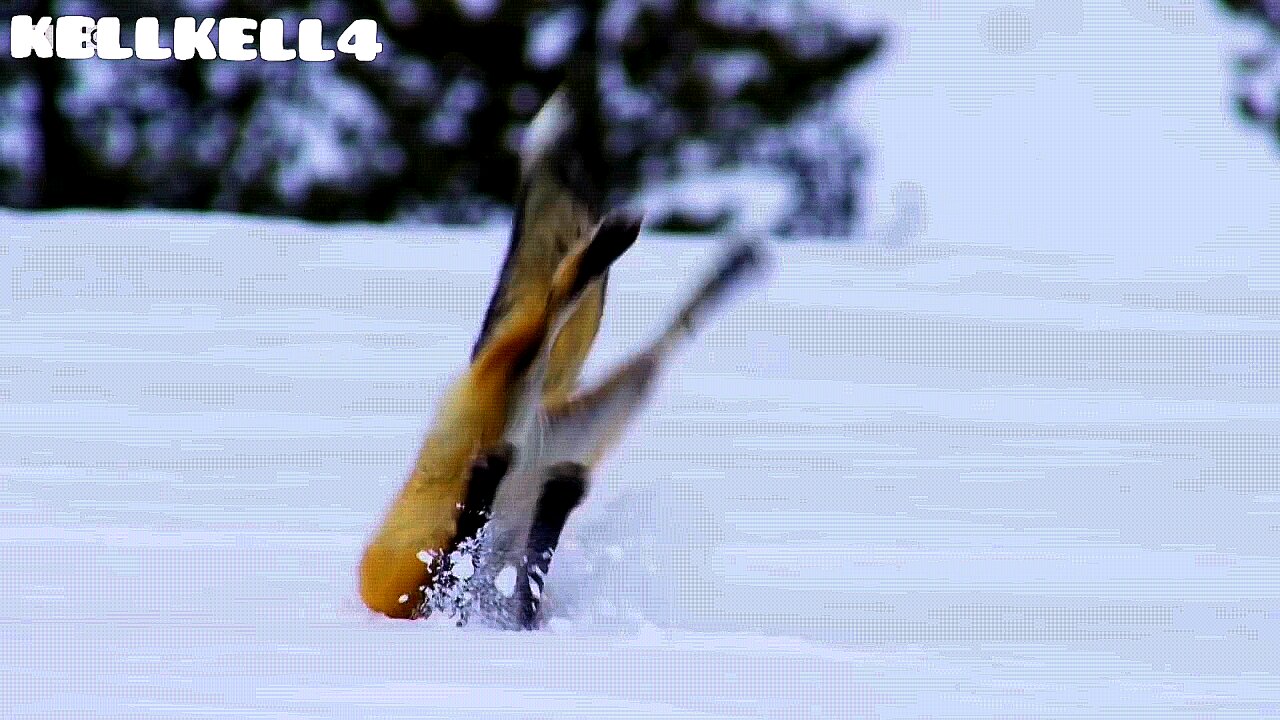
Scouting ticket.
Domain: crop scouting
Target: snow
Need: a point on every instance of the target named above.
(505, 582)
(463, 567)
(1023, 465)
(941, 479)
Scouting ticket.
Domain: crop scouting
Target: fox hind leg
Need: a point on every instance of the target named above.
(566, 484)
(584, 427)
(506, 589)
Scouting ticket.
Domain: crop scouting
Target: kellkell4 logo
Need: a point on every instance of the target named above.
(76, 37)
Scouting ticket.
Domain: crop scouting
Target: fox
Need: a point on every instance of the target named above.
(508, 457)
(559, 253)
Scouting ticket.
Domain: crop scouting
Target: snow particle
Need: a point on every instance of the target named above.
(404, 599)
(426, 556)
(463, 568)
(506, 581)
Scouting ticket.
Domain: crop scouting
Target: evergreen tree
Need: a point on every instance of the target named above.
(1258, 69)
(432, 125)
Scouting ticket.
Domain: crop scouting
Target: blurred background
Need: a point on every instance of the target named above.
(721, 96)
(430, 129)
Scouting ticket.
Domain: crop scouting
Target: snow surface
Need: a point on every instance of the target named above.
(1025, 464)
(937, 480)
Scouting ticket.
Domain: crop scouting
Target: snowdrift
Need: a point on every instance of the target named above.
(940, 480)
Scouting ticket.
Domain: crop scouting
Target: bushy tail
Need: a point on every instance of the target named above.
(559, 204)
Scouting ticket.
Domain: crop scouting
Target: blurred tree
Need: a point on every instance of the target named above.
(1257, 69)
(431, 126)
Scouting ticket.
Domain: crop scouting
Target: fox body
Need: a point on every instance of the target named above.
(508, 456)
(422, 523)
(554, 223)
